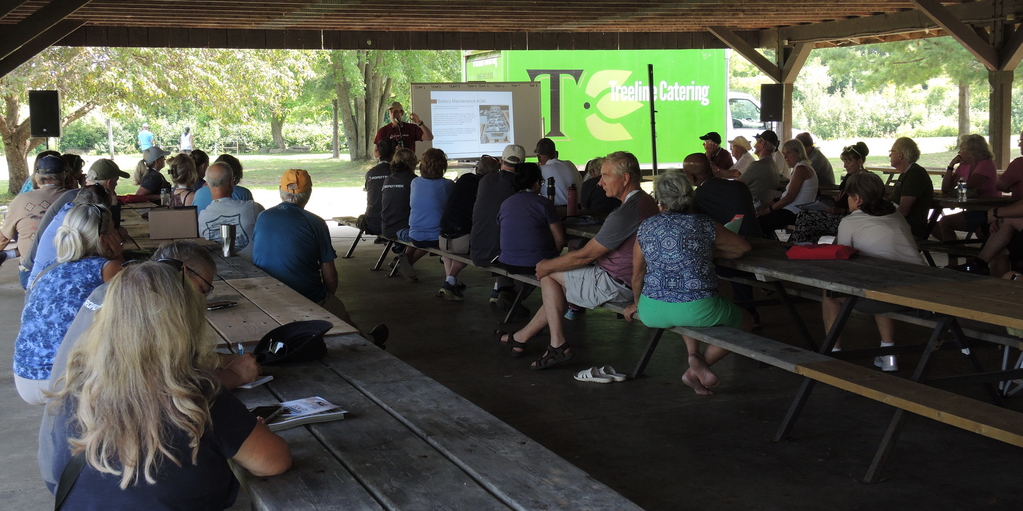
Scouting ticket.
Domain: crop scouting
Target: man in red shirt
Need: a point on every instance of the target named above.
(404, 134)
(719, 157)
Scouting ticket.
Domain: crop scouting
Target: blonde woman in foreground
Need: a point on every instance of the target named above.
(141, 401)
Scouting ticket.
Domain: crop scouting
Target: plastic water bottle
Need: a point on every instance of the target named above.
(961, 191)
(164, 197)
(550, 188)
(573, 200)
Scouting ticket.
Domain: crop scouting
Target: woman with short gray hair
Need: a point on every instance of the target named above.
(673, 275)
(974, 166)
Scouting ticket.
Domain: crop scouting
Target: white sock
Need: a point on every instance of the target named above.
(450, 280)
(496, 286)
(887, 344)
(11, 254)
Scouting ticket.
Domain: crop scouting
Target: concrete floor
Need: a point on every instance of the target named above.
(651, 439)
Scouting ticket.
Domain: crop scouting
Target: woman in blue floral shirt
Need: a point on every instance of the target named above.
(673, 275)
(88, 254)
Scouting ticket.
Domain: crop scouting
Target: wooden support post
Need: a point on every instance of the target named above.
(1000, 111)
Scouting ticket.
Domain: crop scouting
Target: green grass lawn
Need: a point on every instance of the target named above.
(264, 171)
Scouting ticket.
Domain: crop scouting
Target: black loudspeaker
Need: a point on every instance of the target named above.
(771, 99)
(44, 109)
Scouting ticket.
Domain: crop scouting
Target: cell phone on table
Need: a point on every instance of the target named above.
(268, 413)
(212, 306)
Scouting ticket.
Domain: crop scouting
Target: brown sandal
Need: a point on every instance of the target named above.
(516, 348)
(553, 356)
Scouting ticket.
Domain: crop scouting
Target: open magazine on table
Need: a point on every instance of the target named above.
(306, 411)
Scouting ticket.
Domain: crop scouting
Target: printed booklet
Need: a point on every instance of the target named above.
(306, 411)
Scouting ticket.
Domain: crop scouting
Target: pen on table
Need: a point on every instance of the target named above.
(241, 349)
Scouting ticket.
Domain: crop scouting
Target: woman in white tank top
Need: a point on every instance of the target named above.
(801, 190)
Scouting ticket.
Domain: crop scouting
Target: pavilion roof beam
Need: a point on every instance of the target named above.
(40, 21)
(794, 62)
(750, 53)
(961, 32)
(6, 6)
(1012, 53)
(884, 24)
(38, 44)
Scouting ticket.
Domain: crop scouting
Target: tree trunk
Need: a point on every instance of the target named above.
(964, 108)
(277, 129)
(18, 141)
(345, 106)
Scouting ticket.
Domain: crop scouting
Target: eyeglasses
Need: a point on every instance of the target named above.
(179, 266)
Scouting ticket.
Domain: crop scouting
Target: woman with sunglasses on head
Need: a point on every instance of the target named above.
(141, 404)
(811, 225)
(88, 254)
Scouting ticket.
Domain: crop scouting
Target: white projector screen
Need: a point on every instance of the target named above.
(469, 120)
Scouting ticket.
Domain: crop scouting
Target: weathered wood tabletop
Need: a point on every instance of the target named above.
(407, 443)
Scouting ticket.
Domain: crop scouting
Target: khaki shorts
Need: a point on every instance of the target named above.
(591, 287)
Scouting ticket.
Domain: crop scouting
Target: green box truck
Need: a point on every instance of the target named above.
(597, 101)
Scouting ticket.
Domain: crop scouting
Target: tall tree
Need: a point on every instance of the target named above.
(366, 81)
(909, 63)
(282, 76)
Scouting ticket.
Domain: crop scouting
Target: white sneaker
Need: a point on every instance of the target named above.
(887, 363)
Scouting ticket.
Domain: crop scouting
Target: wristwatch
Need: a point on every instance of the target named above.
(1016, 276)
(420, 123)
(995, 213)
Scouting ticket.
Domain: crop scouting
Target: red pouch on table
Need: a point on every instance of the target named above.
(130, 199)
(821, 252)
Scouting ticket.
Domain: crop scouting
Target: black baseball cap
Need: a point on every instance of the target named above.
(714, 136)
(770, 137)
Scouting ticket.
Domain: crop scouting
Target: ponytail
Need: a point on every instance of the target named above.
(141, 169)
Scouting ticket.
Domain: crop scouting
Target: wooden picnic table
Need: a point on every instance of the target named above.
(408, 442)
(949, 293)
(953, 294)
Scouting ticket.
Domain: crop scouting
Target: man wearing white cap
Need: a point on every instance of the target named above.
(741, 151)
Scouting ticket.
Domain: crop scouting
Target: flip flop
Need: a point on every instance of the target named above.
(610, 373)
(593, 375)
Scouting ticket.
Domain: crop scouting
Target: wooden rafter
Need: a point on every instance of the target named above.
(750, 53)
(38, 44)
(961, 32)
(38, 22)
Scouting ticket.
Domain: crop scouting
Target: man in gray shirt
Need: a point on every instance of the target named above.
(820, 164)
(762, 176)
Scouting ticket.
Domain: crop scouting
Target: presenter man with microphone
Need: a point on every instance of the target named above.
(404, 134)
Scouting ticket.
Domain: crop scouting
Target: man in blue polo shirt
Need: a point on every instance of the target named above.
(293, 245)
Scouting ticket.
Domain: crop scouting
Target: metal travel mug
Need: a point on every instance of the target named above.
(227, 239)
